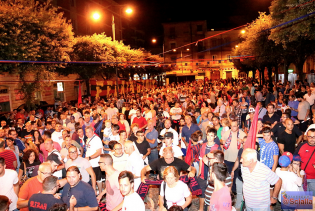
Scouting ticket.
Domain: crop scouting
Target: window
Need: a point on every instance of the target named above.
(173, 45)
(228, 57)
(199, 28)
(172, 31)
(214, 57)
(200, 46)
(201, 58)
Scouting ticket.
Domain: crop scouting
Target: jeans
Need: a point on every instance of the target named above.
(311, 185)
(239, 192)
(153, 155)
(229, 165)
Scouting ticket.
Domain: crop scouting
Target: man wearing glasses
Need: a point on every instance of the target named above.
(13, 134)
(45, 200)
(119, 158)
(307, 154)
(83, 164)
(32, 186)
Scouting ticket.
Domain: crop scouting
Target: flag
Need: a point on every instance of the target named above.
(79, 95)
(251, 138)
(188, 158)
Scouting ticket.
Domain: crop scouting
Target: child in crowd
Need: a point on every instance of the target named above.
(195, 150)
(290, 181)
(111, 145)
(226, 125)
(106, 134)
(115, 133)
(295, 168)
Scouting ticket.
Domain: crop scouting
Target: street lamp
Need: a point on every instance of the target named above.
(243, 31)
(154, 40)
(96, 16)
(129, 10)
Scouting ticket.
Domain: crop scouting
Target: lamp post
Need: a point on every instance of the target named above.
(96, 16)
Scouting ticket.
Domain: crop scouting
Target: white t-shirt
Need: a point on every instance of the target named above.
(133, 202)
(176, 149)
(175, 135)
(114, 137)
(175, 195)
(57, 137)
(92, 145)
(82, 165)
(135, 164)
(7, 181)
(119, 163)
(133, 114)
(57, 174)
(176, 110)
(148, 115)
(290, 181)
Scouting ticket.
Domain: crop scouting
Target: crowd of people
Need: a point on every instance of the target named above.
(188, 138)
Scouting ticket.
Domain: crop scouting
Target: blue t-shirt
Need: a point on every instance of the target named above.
(186, 132)
(153, 135)
(42, 202)
(294, 104)
(267, 151)
(83, 192)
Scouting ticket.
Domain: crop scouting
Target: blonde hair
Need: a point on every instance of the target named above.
(226, 122)
(108, 121)
(171, 169)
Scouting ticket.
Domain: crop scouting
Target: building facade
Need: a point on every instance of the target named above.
(210, 57)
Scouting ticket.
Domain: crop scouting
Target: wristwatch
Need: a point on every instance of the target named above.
(89, 157)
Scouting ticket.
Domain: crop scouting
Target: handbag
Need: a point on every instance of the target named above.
(304, 176)
(24, 177)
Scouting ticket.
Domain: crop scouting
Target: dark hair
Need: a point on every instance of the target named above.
(77, 126)
(108, 157)
(59, 207)
(126, 174)
(47, 134)
(139, 131)
(219, 155)
(73, 168)
(220, 171)
(86, 112)
(235, 100)
(266, 130)
(27, 155)
(4, 203)
(49, 183)
(116, 127)
(122, 131)
(95, 117)
(175, 208)
(10, 131)
(287, 114)
(194, 137)
(146, 106)
(111, 144)
(212, 130)
(39, 135)
(2, 161)
(270, 104)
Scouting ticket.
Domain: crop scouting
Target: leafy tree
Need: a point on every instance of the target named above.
(298, 37)
(30, 31)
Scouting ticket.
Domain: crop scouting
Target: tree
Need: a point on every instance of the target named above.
(298, 37)
(256, 43)
(30, 31)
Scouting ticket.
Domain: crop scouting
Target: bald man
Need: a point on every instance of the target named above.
(287, 139)
(134, 164)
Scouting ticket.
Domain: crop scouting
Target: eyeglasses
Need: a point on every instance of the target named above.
(141, 135)
(99, 163)
(73, 152)
(46, 173)
(311, 137)
(118, 149)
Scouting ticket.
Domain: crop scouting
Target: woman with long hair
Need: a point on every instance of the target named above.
(14, 148)
(30, 161)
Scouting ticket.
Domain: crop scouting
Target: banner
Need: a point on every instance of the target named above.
(108, 87)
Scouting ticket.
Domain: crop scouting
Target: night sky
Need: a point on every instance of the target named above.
(150, 14)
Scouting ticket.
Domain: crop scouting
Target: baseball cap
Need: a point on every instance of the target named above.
(312, 126)
(284, 161)
(55, 158)
(168, 135)
(251, 110)
(289, 154)
(296, 158)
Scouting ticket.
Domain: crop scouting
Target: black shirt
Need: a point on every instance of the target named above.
(159, 166)
(272, 119)
(40, 202)
(279, 128)
(288, 140)
(30, 168)
(143, 147)
(27, 135)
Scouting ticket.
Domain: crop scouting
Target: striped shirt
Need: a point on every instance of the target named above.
(210, 189)
(256, 186)
(9, 158)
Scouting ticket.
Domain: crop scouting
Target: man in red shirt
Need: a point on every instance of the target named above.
(8, 155)
(140, 120)
(307, 154)
(33, 185)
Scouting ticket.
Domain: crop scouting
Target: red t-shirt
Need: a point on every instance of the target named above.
(221, 200)
(9, 158)
(305, 152)
(140, 121)
(30, 187)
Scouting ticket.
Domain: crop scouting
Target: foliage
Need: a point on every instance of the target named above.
(30, 31)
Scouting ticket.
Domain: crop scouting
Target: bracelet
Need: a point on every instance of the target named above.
(274, 197)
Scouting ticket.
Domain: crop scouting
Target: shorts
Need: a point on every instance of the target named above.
(98, 173)
(203, 186)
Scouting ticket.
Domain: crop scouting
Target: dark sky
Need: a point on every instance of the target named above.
(150, 14)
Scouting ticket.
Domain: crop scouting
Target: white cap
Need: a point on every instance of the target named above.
(251, 110)
(312, 126)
